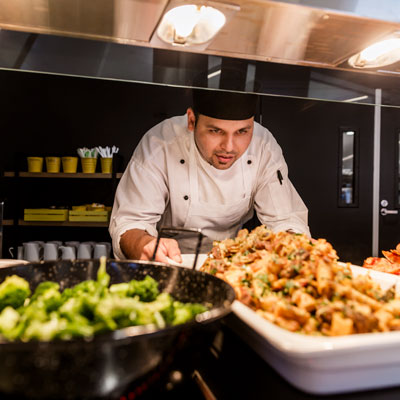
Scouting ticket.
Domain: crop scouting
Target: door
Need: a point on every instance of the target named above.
(389, 196)
(328, 147)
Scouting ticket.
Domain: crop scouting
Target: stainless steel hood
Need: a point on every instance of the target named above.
(261, 30)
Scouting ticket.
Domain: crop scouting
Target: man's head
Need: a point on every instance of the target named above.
(223, 125)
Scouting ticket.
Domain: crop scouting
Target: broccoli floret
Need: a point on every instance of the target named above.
(13, 292)
(44, 330)
(121, 289)
(9, 319)
(184, 312)
(47, 295)
(147, 289)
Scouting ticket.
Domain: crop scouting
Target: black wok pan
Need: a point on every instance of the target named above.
(105, 365)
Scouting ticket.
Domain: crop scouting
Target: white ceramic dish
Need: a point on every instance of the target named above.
(11, 262)
(325, 365)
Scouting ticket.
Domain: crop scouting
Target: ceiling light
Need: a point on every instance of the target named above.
(378, 54)
(192, 25)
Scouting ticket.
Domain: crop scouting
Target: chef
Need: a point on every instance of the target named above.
(208, 169)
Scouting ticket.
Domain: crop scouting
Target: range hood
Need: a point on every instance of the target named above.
(259, 30)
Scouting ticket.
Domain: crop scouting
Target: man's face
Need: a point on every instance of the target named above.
(220, 142)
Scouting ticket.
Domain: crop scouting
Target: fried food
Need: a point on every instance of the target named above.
(297, 283)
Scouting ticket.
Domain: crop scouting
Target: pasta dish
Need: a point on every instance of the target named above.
(297, 283)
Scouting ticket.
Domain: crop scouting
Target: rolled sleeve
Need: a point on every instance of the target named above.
(139, 203)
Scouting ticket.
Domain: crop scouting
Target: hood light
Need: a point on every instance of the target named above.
(378, 54)
(192, 24)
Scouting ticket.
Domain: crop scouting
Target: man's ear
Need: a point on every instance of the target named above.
(191, 119)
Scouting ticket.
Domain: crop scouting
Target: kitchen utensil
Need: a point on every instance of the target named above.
(57, 242)
(325, 365)
(105, 365)
(100, 250)
(70, 164)
(53, 164)
(73, 243)
(108, 246)
(50, 251)
(68, 252)
(84, 251)
(32, 251)
(106, 165)
(35, 164)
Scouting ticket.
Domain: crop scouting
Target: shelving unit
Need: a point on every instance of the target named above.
(88, 224)
(18, 228)
(78, 175)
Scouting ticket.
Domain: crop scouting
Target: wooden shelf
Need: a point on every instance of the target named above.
(78, 175)
(87, 224)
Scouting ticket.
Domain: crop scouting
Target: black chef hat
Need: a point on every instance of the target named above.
(224, 105)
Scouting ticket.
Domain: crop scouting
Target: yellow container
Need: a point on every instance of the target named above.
(106, 165)
(88, 165)
(70, 164)
(35, 164)
(45, 214)
(53, 164)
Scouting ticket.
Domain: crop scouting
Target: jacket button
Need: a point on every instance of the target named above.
(182, 161)
(186, 197)
(249, 162)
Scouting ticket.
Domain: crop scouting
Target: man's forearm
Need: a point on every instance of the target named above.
(133, 241)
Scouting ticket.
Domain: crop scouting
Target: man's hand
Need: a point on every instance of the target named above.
(137, 244)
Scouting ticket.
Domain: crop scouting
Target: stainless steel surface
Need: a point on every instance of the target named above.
(384, 203)
(377, 171)
(260, 30)
(385, 211)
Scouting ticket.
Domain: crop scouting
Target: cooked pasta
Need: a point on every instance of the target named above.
(297, 283)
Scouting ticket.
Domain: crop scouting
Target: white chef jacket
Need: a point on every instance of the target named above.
(167, 182)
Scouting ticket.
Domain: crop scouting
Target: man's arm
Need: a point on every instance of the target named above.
(137, 244)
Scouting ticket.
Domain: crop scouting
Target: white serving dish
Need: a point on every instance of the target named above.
(10, 262)
(325, 365)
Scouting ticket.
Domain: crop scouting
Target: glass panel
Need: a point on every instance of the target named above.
(347, 178)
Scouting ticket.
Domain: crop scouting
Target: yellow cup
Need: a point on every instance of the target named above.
(53, 164)
(106, 165)
(70, 164)
(35, 164)
(88, 165)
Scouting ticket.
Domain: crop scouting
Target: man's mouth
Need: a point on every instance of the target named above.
(224, 158)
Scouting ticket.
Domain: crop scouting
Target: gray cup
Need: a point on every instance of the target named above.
(32, 252)
(100, 250)
(68, 252)
(85, 251)
(50, 252)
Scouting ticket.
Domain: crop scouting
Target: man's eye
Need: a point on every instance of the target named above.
(243, 131)
(214, 130)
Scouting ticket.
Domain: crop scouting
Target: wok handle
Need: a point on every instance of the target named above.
(177, 231)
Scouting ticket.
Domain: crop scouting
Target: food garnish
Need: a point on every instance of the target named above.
(297, 283)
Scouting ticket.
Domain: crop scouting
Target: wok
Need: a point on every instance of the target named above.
(105, 365)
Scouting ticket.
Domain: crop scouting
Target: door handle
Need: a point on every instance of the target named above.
(385, 211)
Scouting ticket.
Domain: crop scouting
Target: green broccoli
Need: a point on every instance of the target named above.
(13, 292)
(47, 295)
(185, 312)
(147, 289)
(86, 309)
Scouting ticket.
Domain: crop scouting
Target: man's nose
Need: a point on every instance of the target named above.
(227, 143)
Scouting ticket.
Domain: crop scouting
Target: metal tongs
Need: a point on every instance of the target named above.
(171, 232)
